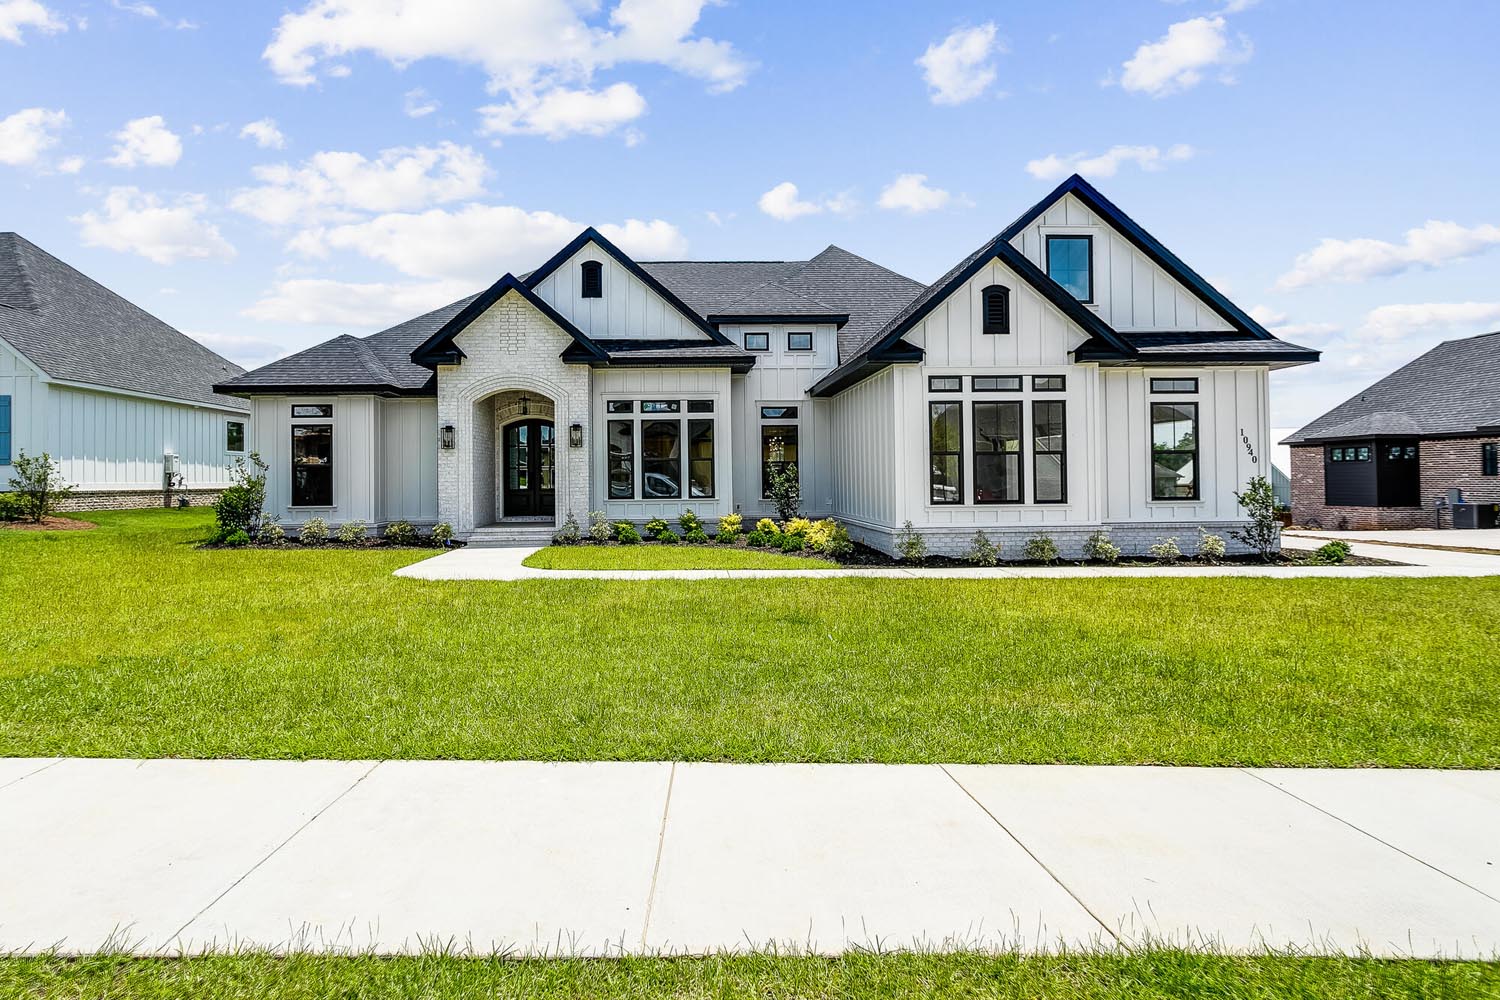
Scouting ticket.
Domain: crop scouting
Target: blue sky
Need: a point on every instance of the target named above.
(267, 175)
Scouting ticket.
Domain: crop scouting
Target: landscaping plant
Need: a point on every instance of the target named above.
(689, 522)
(1041, 548)
(314, 531)
(401, 533)
(910, 545)
(626, 534)
(600, 530)
(442, 533)
(1166, 551)
(1334, 553)
(353, 531)
(569, 533)
(1211, 547)
(982, 551)
(1262, 532)
(730, 526)
(38, 485)
(1099, 548)
(271, 533)
(11, 508)
(242, 506)
(785, 492)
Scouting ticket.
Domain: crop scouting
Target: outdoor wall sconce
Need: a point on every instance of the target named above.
(575, 436)
(525, 404)
(445, 437)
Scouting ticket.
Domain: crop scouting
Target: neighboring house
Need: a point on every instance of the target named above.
(107, 389)
(1385, 458)
(1281, 487)
(1069, 376)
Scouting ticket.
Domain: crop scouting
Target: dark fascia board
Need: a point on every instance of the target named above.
(624, 360)
(439, 349)
(592, 235)
(1292, 353)
(315, 389)
(722, 319)
(1477, 434)
(844, 376)
(1144, 242)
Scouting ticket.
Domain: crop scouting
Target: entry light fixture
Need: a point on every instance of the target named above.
(445, 437)
(525, 404)
(575, 436)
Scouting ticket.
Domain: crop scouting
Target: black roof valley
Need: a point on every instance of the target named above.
(76, 330)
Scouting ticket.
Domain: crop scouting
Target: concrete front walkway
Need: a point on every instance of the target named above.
(506, 564)
(169, 856)
(1484, 539)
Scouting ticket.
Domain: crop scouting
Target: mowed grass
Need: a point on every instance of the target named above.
(640, 557)
(1151, 974)
(129, 641)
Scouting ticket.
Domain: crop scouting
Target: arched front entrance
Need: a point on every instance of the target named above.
(529, 451)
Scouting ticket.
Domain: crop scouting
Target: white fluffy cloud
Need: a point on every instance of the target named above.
(1108, 163)
(134, 221)
(1400, 322)
(150, 13)
(563, 111)
(960, 67)
(146, 142)
(478, 243)
(1281, 325)
(418, 103)
(265, 133)
(27, 135)
(785, 202)
(911, 193)
(337, 186)
(1430, 245)
(1179, 59)
(16, 15)
(355, 305)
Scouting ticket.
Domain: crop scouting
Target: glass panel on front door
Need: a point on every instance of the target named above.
(530, 460)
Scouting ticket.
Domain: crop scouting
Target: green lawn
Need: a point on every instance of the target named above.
(1152, 974)
(127, 640)
(666, 557)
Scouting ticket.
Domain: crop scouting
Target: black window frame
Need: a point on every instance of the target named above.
(976, 387)
(700, 406)
(1037, 386)
(229, 426)
(766, 464)
(1197, 451)
(934, 380)
(669, 467)
(619, 406)
(1170, 386)
(994, 304)
(591, 276)
(1088, 242)
(660, 406)
(694, 462)
(778, 413)
(957, 406)
(760, 337)
(614, 461)
(320, 411)
(305, 501)
(1019, 455)
(1489, 458)
(1061, 451)
(792, 348)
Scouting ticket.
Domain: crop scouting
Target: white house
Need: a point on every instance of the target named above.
(118, 397)
(1070, 376)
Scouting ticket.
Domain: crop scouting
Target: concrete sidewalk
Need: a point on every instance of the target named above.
(506, 564)
(170, 856)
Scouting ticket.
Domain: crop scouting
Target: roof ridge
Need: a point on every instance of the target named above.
(728, 307)
(367, 354)
(872, 263)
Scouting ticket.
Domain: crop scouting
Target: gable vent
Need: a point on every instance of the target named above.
(996, 310)
(593, 279)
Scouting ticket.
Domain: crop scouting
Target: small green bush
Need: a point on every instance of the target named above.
(1099, 548)
(241, 507)
(353, 531)
(768, 527)
(910, 545)
(600, 530)
(982, 551)
(38, 485)
(731, 525)
(12, 508)
(271, 533)
(793, 543)
(442, 533)
(656, 526)
(666, 536)
(1211, 548)
(1166, 551)
(689, 522)
(401, 533)
(697, 536)
(757, 539)
(569, 533)
(237, 537)
(626, 534)
(1334, 553)
(314, 531)
(1041, 548)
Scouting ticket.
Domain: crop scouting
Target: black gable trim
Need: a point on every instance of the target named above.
(592, 235)
(723, 319)
(863, 367)
(324, 389)
(439, 349)
(1146, 244)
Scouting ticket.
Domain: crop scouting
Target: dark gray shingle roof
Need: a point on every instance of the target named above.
(1199, 346)
(76, 330)
(1452, 389)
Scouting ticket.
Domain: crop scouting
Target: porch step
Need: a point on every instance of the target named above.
(495, 536)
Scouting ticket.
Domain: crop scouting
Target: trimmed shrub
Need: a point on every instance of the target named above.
(1334, 553)
(1165, 551)
(656, 526)
(829, 538)
(1211, 547)
(731, 525)
(1100, 549)
(569, 533)
(11, 507)
(766, 526)
(689, 522)
(1041, 548)
(697, 536)
(600, 530)
(241, 507)
(797, 526)
(910, 546)
(401, 533)
(442, 533)
(793, 543)
(982, 551)
(271, 533)
(314, 531)
(626, 534)
(757, 539)
(38, 485)
(353, 531)
(237, 538)
(666, 536)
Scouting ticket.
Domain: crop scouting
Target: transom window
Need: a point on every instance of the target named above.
(997, 383)
(317, 410)
(757, 341)
(1174, 451)
(593, 279)
(1048, 383)
(1161, 386)
(661, 406)
(799, 341)
(778, 413)
(1070, 264)
(657, 454)
(945, 383)
(1353, 453)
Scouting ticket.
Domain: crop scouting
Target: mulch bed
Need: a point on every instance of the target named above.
(368, 543)
(48, 524)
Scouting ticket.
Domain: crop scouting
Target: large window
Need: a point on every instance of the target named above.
(1174, 451)
(1049, 451)
(778, 452)
(661, 459)
(1069, 263)
(700, 458)
(997, 452)
(946, 446)
(621, 459)
(312, 465)
(4, 430)
(234, 435)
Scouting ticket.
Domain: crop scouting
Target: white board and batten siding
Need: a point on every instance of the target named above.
(384, 458)
(107, 440)
(1131, 293)
(867, 469)
(629, 309)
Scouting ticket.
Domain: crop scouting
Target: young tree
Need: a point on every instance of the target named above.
(241, 507)
(1262, 532)
(39, 483)
(786, 491)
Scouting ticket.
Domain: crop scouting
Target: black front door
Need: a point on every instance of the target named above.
(529, 469)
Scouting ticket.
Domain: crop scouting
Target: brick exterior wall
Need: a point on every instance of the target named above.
(135, 499)
(1443, 463)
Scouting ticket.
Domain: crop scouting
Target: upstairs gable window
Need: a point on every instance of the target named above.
(1070, 264)
(996, 299)
(593, 279)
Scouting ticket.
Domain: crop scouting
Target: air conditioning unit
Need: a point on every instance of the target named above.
(171, 470)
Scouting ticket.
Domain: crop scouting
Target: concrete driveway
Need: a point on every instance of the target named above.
(166, 856)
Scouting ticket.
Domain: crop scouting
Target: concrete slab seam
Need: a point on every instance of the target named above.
(661, 840)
